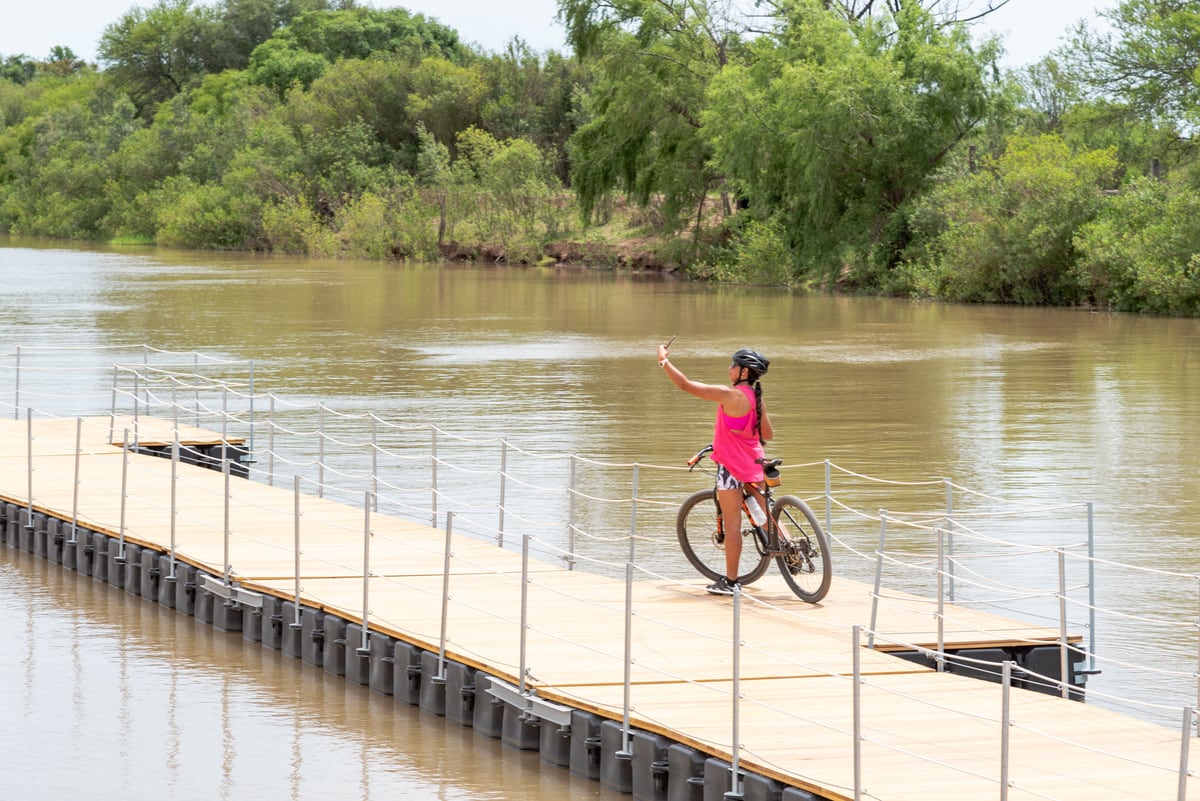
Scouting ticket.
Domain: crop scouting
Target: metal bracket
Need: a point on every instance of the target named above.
(555, 713)
(509, 694)
(231, 593)
(530, 704)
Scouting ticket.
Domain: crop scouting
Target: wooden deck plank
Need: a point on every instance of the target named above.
(101, 434)
(576, 628)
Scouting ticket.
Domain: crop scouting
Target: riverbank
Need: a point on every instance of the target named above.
(643, 254)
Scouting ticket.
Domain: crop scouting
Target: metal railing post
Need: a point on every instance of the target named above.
(626, 751)
(1063, 647)
(124, 494)
(1091, 586)
(445, 595)
(196, 391)
(1184, 749)
(75, 489)
(735, 747)
(1005, 724)
(366, 615)
(433, 482)
(112, 412)
(145, 363)
(570, 556)
(296, 545)
(174, 495)
(17, 387)
(500, 504)
(950, 530)
(941, 602)
(228, 567)
(321, 451)
(251, 449)
(29, 460)
(224, 422)
(828, 499)
(375, 460)
(878, 576)
(856, 659)
(633, 513)
(524, 605)
(271, 445)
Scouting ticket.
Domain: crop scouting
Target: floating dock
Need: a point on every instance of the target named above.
(644, 685)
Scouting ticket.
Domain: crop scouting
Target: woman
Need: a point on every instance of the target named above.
(741, 428)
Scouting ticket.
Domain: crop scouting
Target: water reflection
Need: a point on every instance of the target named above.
(194, 708)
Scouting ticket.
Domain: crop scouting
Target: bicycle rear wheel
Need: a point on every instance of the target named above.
(806, 564)
(696, 527)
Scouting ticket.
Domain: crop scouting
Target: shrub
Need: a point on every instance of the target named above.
(1142, 252)
(206, 216)
(290, 226)
(1006, 233)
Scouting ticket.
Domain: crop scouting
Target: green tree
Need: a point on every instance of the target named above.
(242, 25)
(158, 52)
(374, 91)
(1149, 60)
(153, 54)
(654, 61)
(434, 175)
(534, 96)
(1006, 234)
(62, 61)
(18, 68)
(280, 65)
(55, 172)
(196, 135)
(835, 128)
(445, 97)
(1048, 93)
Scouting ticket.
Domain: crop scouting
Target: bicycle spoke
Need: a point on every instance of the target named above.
(805, 562)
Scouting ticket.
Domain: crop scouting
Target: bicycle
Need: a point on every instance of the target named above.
(790, 535)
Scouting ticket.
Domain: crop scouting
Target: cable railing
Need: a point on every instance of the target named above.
(950, 548)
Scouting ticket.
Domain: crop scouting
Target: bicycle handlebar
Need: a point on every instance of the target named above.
(695, 460)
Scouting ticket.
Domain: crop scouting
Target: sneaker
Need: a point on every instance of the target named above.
(723, 586)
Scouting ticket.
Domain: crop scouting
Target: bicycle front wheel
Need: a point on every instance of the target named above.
(805, 564)
(696, 527)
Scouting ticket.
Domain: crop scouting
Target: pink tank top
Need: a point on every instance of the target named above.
(735, 442)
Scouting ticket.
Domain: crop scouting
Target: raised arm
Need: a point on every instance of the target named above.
(732, 400)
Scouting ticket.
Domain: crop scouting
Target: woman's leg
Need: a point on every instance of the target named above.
(731, 516)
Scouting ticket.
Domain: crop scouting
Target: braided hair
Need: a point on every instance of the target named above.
(752, 378)
(756, 366)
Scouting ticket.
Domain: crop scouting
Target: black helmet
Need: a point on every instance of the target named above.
(755, 361)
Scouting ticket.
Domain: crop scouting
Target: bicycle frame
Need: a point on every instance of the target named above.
(791, 536)
(766, 535)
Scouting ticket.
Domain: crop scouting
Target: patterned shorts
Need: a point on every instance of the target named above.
(725, 481)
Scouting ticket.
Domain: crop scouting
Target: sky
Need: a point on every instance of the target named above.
(1031, 28)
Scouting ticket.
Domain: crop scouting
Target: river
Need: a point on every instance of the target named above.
(1046, 406)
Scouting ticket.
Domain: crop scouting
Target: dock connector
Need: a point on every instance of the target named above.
(230, 592)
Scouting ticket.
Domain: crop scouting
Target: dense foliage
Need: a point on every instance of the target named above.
(870, 147)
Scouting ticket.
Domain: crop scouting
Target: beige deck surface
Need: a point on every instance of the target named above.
(924, 733)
